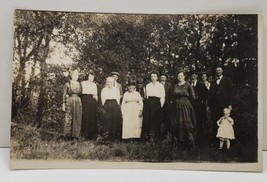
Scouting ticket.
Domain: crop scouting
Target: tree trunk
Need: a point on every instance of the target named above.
(42, 101)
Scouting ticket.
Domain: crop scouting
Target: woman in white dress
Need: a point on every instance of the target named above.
(132, 108)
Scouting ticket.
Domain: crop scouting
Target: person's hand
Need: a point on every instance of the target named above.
(95, 97)
(230, 107)
(63, 107)
(208, 109)
(140, 113)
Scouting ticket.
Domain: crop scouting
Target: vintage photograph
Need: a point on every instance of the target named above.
(142, 89)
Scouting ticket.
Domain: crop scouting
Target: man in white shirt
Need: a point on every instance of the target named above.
(155, 94)
(115, 75)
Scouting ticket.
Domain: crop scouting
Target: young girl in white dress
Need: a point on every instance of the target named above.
(132, 107)
(225, 131)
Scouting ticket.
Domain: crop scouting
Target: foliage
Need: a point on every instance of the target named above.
(131, 45)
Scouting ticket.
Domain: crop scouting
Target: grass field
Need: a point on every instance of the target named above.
(27, 143)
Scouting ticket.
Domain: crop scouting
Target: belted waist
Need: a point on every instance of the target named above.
(111, 100)
(153, 97)
(74, 95)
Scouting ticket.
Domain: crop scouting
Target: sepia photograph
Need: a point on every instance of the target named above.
(164, 91)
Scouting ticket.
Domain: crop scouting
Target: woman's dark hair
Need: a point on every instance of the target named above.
(154, 72)
(89, 73)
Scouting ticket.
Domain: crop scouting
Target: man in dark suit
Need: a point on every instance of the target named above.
(199, 105)
(166, 107)
(220, 97)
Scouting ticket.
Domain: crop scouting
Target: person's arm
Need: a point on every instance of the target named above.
(230, 93)
(103, 96)
(140, 101)
(65, 90)
(162, 95)
(123, 104)
(147, 91)
(219, 122)
(95, 93)
(118, 96)
(231, 121)
(191, 92)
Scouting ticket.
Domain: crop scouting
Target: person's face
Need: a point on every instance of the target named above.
(163, 79)
(204, 77)
(193, 76)
(110, 82)
(226, 113)
(131, 88)
(115, 77)
(181, 77)
(91, 78)
(139, 85)
(154, 77)
(74, 76)
(219, 71)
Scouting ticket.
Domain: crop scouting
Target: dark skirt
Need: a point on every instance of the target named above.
(89, 117)
(183, 119)
(152, 117)
(111, 120)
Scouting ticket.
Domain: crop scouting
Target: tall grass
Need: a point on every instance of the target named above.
(31, 144)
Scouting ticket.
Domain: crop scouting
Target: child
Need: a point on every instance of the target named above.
(225, 130)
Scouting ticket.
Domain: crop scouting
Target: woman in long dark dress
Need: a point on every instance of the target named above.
(112, 120)
(72, 107)
(183, 118)
(89, 103)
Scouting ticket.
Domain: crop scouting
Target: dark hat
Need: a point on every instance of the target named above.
(114, 73)
(207, 72)
(194, 72)
(164, 74)
(131, 83)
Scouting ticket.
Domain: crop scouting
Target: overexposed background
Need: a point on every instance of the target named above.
(7, 8)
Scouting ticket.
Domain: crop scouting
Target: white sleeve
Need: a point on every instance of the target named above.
(103, 96)
(123, 104)
(118, 95)
(141, 104)
(162, 95)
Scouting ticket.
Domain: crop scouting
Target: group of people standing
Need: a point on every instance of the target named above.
(187, 110)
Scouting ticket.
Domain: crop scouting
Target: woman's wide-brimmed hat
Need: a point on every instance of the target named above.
(114, 73)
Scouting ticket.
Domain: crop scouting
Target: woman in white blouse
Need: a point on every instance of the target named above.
(89, 103)
(155, 94)
(110, 98)
(132, 108)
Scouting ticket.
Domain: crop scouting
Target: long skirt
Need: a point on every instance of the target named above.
(73, 117)
(183, 120)
(132, 123)
(152, 117)
(112, 121)
(89, 117)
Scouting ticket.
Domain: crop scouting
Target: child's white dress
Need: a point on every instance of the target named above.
(225, 129)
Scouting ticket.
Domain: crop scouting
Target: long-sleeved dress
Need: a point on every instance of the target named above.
(89, 104)
(73, 111)
(183, 118)
(152, 120)
(132, 104)
(111, 119)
